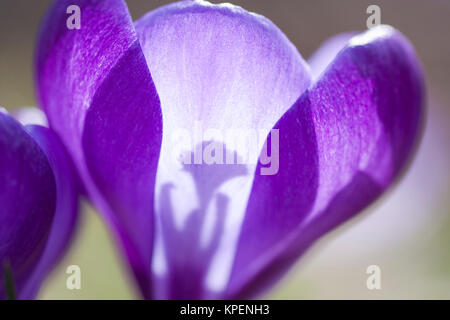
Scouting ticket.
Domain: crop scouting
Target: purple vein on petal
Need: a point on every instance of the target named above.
(75, 68)
(215, 67)
(364, 116)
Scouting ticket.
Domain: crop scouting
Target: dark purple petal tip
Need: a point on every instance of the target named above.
(66, 211)
(39, 205)
(27, 202)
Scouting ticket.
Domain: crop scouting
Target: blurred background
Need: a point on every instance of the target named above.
(407, 233)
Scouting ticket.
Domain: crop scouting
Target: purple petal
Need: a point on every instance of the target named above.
(27, 201)
(341, 145)
(326, 53)
(220, 65)
(122, 151)
(215, 67)
(97, 92)
(66, 212)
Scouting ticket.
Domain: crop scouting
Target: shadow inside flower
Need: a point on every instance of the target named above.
(188, 258)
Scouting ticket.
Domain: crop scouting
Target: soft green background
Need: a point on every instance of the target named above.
(408, 235)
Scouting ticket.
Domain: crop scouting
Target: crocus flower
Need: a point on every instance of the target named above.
(117, 93)
(38, 200)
